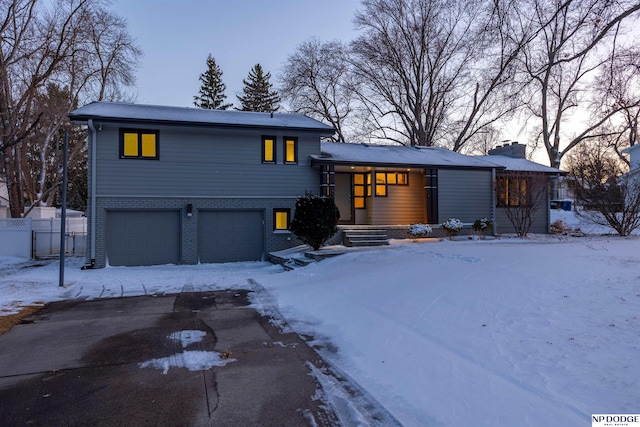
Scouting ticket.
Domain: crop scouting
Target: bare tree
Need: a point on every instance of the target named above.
(437, 72)
(72, 44)
(608, 196)
(522, 195)
(577, 42)
(316, 81)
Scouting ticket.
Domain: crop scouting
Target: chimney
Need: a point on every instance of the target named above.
(514, 150)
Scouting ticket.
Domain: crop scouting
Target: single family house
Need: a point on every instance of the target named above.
(186, 185)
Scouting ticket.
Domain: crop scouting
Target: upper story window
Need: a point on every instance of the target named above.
(290, 150)
(139, 144)
(268, 149)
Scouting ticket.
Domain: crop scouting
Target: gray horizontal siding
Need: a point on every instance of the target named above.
(404, 204)
(540, 222)
(205, 163)
(464, 194)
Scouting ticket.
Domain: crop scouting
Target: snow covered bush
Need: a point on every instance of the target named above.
(419, 230)
(452, 227)
(482, 226)
(315, 219)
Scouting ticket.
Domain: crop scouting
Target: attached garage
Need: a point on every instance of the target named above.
(230, 235)
(143, 237)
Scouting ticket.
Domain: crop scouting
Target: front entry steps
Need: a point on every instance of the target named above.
(364, 237)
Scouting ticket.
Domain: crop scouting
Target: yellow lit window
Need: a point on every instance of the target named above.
(268, 149)
(291, 150)
(148, 145)
(360, 186)
(138, 144)
(130, 145)
(403, 178)
(391, 178)
(281, 219)
(381, 184)
(512, 192)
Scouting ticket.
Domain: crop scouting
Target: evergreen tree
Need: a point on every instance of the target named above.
(257, 94)
(315, 219)
(211, 94)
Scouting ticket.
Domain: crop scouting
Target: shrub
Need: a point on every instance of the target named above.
(482, 225)
(452, 227)
(315, 219)
(419, 230)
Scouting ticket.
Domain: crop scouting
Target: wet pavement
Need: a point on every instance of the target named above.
(118, 362)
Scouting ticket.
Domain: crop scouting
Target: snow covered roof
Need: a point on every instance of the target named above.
(397, 155)
(138, 113)
(520, 165)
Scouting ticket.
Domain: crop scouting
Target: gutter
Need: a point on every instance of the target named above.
(92, 197)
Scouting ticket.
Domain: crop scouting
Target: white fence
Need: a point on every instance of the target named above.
(36, 238)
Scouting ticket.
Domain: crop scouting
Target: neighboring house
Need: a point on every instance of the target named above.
(4, 200)
(634, 159)
(382, 185)
(187, 185)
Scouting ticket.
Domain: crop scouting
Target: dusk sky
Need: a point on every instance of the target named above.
(177, 36)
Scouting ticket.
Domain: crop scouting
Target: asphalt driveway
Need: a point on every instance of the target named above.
(192, 359)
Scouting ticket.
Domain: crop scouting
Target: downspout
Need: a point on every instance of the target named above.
(493, 200)
(92, 197)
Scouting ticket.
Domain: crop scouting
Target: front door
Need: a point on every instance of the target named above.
(343, 197)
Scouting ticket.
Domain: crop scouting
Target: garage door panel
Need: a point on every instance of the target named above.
(226, 236)
(143, 237)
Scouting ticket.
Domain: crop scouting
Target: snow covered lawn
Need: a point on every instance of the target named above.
(507, 332)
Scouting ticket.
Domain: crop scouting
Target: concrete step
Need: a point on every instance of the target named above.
(376, 242)
(364, 237)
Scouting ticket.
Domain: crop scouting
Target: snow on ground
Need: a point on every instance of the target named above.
(504, 332)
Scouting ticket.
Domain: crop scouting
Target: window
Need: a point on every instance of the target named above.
(403, 178)
(138, 144)
(512, 192)
(281, 219)
(381, 184)
(361, 189)
(268, 149)
(291, 150)
(397, 178)
(327, 180)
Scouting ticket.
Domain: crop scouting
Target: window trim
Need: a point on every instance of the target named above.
(295, 150)
(286, 211)
(139, 132)
(273, 149)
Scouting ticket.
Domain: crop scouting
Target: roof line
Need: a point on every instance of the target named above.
(324, 161)
(83, 119)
